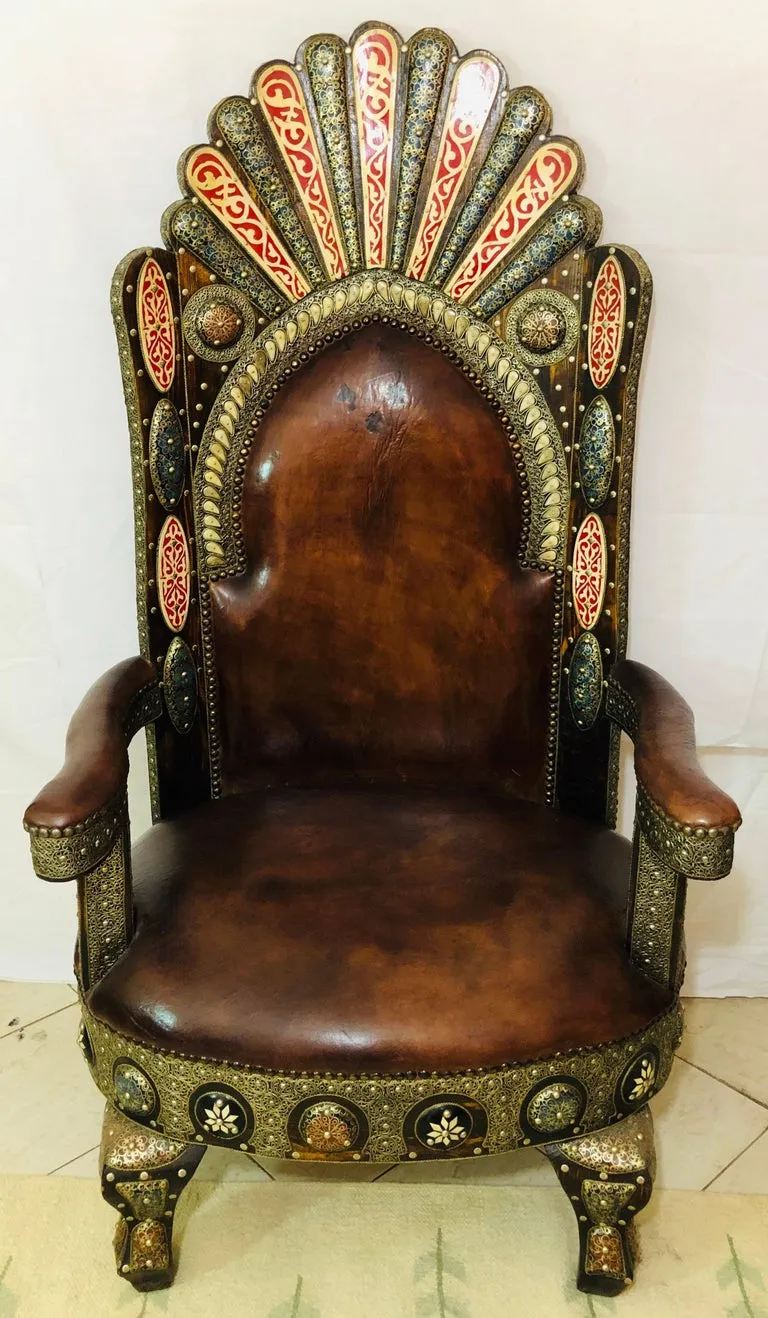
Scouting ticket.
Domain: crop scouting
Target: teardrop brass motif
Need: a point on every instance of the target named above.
(180, 685)
(585, 680)
(597, 451)
(166, 453)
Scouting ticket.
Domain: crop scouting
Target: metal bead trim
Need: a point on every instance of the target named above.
(64, 853)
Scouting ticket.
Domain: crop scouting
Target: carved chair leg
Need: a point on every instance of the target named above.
(608, 1176)
(142, 1175)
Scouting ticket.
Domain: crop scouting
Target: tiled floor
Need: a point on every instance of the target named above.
(711, 1118)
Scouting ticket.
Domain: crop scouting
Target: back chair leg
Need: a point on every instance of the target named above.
(142, 1175)
(608, 1176)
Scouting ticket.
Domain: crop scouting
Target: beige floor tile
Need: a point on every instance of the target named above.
(86, 1167)
(748, 1174)
(21, 1004)
(52, 1111)
(226, 1165)
(217, 1165)
(701, 1126)
(282, 1169)
(525, 1167)
(728, 1038)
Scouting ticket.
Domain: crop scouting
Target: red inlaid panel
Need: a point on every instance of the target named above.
(213, 180)
(157, 334)
(282, 99)
(606, 322)
(474, 89)
(375, 59)
(590, 567)
(173, 575)
(548, 174)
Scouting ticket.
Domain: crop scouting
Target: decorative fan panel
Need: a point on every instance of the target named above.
(383, 154)
(390, 179)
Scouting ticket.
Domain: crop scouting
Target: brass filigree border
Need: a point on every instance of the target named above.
(697, 852)
(59, 854)
(654, 919)
(328, 315)
(118, 292)
(387, 1102)
(624, 502)
(700, 853)
(105, 908)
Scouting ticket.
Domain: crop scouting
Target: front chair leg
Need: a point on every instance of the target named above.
(142, 1175)
(608, 1176)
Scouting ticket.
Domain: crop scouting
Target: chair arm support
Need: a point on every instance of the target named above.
(687, 820)
(73, 821)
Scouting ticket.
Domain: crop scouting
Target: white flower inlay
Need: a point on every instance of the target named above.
(446, 1131)
(644, 1081)
(220, 1118)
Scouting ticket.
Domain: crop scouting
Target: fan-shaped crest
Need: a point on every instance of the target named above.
(382, 153)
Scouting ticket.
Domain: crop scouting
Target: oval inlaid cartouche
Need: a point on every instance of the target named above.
(597, 452)
(606, 322)
(157, 333)
(173, 573)
(180, 685)
(585, 680)
(590, 569)
(166, 453)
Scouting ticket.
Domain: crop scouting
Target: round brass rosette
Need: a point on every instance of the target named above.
(328, 1127)
(542, 326)
(555, 1106)
(219, 323)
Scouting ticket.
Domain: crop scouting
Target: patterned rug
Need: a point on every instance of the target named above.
(376, 1251)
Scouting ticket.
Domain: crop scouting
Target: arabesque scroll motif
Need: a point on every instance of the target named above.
(213, 180)
(173, 574)
(282, 100)
(606, 322)
(474, 89)
(590, 562)
(549, 173)
(375, 59)
(156, 328)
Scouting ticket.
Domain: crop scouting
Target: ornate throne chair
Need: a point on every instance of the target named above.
(381, 388)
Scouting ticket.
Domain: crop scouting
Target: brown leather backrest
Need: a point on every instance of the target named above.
(384, 628)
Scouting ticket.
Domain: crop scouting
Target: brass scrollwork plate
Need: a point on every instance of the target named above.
(389, 1117)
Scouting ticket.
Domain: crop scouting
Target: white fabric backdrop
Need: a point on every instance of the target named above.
(668, 101)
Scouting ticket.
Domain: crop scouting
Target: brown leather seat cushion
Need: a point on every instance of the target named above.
(371, 931)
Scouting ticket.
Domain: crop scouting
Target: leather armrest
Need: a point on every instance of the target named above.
(77, 812)
(688, 819)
